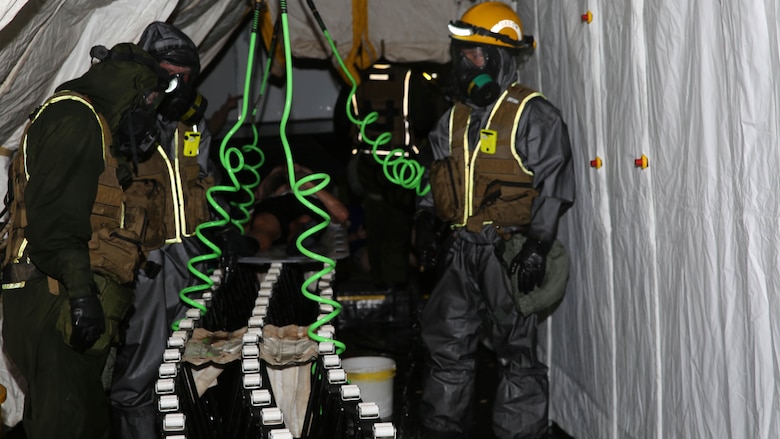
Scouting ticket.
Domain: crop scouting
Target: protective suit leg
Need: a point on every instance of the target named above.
(65, 396)
(450, 324)
(520, 406)
(472, 291)
(156, 306)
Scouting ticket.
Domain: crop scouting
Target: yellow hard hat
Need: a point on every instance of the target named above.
(493, 23)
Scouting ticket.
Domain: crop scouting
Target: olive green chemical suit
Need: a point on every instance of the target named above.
(66, 160)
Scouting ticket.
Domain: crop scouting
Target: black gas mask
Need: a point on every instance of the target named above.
(475, 69)
(168, 44)
(184, 104)
(138, 133)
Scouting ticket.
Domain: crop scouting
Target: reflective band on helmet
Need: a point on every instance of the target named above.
(457, 30)
(503, 24)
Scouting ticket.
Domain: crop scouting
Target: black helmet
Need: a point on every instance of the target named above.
(166, 42)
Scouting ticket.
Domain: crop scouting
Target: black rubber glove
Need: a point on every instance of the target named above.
(426, 239)
(88, 321)
(530, 264)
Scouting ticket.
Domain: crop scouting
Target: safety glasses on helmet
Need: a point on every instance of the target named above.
(460, 28)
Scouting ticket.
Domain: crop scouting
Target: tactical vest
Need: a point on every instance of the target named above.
(171, 191)
(487, 184)
(385, 90)
(114, 248)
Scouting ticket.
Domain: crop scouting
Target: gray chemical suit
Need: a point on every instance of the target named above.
(174, 182)
(472, 301)
(157, 302)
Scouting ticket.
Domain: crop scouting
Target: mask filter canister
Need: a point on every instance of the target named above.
(482, 90)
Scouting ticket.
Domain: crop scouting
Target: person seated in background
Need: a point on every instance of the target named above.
(279, 217)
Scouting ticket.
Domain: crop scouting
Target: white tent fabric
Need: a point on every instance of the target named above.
(667, 330)
(8, 11)
(403, 28)
(45, 45)
(668, 327)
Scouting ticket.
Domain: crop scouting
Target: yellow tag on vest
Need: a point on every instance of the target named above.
(191, 143)
(487, 141)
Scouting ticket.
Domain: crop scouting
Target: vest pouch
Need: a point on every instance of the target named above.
(197, 206)
(506, 203)
(116, 253)
(145, 206)
(116, 301)
(107, 207)
(447, 186)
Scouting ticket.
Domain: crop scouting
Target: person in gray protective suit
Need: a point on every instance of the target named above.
(177, 168)
(502, 178)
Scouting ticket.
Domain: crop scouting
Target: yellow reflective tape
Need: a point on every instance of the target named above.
(14, 286)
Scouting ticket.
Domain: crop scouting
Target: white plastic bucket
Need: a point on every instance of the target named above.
(374, 376)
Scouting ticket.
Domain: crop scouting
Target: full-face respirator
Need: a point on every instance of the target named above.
(475, 70)
(138, 132)
(168, 44)
(184, 104)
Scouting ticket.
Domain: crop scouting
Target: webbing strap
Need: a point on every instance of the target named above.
(362, 55)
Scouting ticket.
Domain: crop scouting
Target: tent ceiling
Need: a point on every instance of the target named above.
(43, 43)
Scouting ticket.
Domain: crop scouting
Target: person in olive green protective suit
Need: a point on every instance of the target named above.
(57, 323)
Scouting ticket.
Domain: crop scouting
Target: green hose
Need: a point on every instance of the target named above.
(318, 181)
(232, 160)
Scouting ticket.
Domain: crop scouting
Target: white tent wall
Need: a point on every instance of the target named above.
(580, 336)
(9, 9)
(667, 327)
